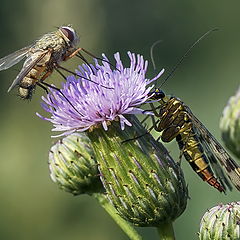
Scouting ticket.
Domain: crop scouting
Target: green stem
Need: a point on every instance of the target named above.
(124, 225)
(165, 231)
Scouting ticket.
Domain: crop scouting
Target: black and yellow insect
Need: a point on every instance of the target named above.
(203, 152)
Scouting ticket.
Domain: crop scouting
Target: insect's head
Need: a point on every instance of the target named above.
(157, 94)
(69, 35)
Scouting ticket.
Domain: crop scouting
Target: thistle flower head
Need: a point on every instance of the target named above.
(109, 95)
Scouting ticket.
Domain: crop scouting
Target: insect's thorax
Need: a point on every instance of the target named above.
(173, 119)
(54, 42)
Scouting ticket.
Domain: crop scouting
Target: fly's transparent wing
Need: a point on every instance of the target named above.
(217, 156)
(30, 62)
(13, 58)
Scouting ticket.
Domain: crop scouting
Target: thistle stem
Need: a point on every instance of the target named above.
(165, 231)
(123, 224)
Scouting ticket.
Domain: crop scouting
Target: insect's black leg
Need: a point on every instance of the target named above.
(145, 119)
(135, 138)
(154, 126)
(98, 58)
(84, 60)
(75, 74)
(59, 90)
(65, 78)
(154, 109)
(139, 136)
(43, 87)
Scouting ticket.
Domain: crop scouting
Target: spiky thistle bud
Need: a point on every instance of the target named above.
(221, 222)
(73, 166)
(141, 180)
(230, 124)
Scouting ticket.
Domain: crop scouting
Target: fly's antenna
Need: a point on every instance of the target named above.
(185, 55)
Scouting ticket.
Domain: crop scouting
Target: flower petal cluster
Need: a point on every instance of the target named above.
(99, 95)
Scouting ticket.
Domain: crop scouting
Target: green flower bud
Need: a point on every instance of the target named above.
(73, 167)
(221, 222)
(141, 180)
(230, 124)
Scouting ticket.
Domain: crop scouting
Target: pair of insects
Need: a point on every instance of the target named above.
(175, 120)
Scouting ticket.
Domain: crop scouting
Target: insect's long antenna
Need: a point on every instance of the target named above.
(75, 74)
(186, 54)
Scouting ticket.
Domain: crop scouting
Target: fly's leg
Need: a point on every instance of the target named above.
(101, 59)
(154, 126)
(65, 78)
(78, 54)
(72, 54)
(43, 87)
(77, 75)
(59, 90)
(154, 109)
(147, 132)
(139, 136)
(45, 76)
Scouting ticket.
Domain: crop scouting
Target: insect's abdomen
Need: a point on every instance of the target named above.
(176, 123)
(193, 152)
(28, 83)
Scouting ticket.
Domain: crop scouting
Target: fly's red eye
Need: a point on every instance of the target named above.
(68, 33)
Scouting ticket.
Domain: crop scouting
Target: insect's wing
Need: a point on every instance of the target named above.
(13, 58)
(30, 62)
(217, 156)
(212, 159)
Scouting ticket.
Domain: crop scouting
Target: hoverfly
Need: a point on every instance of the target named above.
(199, 147)
(42, 57)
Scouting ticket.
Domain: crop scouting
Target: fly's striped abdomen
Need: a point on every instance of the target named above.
(28, 83)
(175, 122)
(193, 152)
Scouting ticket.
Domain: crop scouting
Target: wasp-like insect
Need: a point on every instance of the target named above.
(42, 57)
(199, 147)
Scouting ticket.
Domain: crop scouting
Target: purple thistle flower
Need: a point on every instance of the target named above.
(115, 93)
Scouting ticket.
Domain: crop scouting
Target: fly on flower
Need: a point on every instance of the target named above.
(199, 147)
(42, 57)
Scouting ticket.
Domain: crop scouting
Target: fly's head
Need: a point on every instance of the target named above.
(70, 36)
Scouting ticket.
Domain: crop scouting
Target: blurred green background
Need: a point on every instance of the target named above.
(31, 206)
